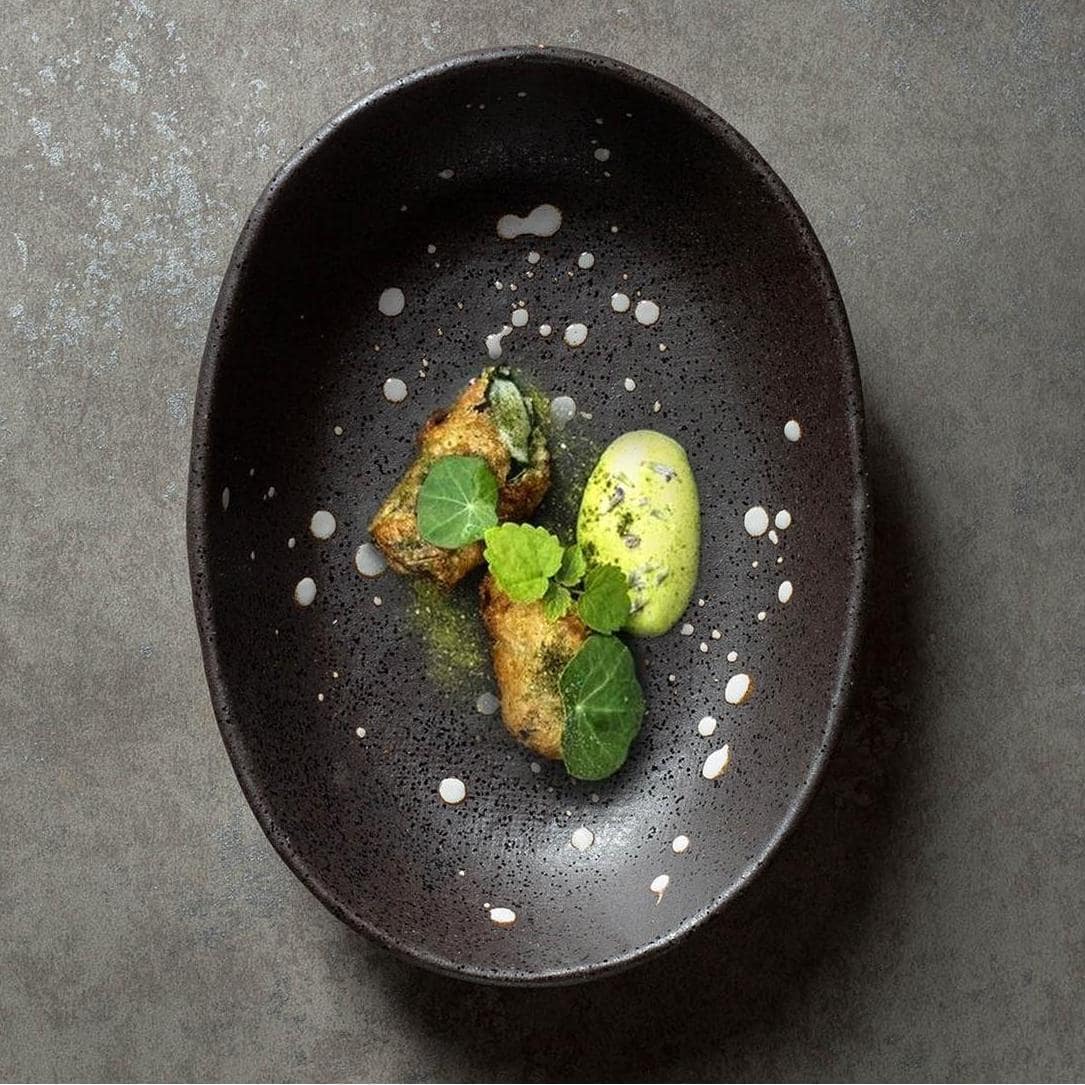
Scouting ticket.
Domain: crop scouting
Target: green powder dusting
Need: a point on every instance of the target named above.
(452, 636)
(569, 470)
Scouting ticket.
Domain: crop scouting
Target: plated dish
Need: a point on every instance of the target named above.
(527, 514)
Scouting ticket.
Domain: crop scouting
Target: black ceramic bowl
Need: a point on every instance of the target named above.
(404, 189)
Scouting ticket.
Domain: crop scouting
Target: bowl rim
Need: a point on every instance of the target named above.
(200, 502)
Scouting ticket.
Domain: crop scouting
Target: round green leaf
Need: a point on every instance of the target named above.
(522, 559)
(457, 502)
(604, 604)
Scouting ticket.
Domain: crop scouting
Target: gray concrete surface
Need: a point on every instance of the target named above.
(925, 921)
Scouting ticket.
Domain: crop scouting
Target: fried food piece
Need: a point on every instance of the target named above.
(529, 653)
(518, 457)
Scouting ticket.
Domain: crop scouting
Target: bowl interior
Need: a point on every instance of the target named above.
(405, 191)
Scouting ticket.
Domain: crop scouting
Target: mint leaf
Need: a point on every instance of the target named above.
(573, 566)
(604, 604)
(457, 502)
(522, 559)
(557, 602)
(604, 707)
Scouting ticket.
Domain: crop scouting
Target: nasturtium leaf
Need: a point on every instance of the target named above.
(457, 502)
(557, 601)
(604, 707)
(522, 559)
(573, 566)
(604, 604)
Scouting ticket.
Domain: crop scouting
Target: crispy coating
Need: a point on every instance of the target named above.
(464, 429)
(529, 653)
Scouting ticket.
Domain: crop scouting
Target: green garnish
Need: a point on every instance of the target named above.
(457, 502)
(604, 603)
(511, 416)
(573, 567)
(557, 601)
(604, 707)
(522, 559)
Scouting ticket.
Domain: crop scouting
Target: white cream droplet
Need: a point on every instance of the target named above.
(541, 221)
(533, 257)
(562, 411)
(369, 560)
(582, 839)
(322, 524)
(575, 334)
(545, 330)
(738, 688)
(659, 886)
(493, 342)
(487, 703)
(291, 542)
(518, 318)
(305, 591)
(503, 917)
(756, 521)
(792, 430)
(783, 520)
(646, 312)
(630, 384)
(452, 790)
(680, 844)
(392, 301)
(716, 763)
(619, 302)
(686, 630)
(785, 591)
(446, 174)
(707, 726)
(395, 391)
(602, 154)
(762, 615)
(585, 261)
(773, 537)
(360, 732)
(225, 498)
(732, 657)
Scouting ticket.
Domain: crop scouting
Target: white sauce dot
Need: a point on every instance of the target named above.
(338, 431)
(290, 543)
(503, 917)
(738, 688)
(716, 634)
(680, 844)
(395, 391)
(756, 521)
(707, 726)
(575, 334)
(487, 703)
(686, 630)
(619, 302)
(704, 646)
(783, 520)
(602, 154)
(533, 257)
(792, 430)
(773, 537)
(657, 407)
(630, 384)
(780, 560)
(646, 312)
(225, 498)
(369, 560)
(659, 886)
(545, 330)
(360, 732)
(562, 411)
(585, 260)
(322, 524)
(582, 839)
(452, 790)
(732, 657)
(391, 301)
(762, 615)
(716, 763)
(542, 221)
(493, 342)
(785, 591)
(305, 591)
(518, 318)
(377, 600)
(446, 174)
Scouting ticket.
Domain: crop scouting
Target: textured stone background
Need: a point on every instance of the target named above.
(926, 919)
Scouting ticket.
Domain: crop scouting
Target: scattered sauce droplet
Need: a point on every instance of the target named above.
(542, 221)
(545, 330)
(369, 560)
(773, 537)
(762, 615)
(686, 630)
(783, 520)
(518, 318)
(756, 521)
(646, 312)
(738, 688)
(493, 342)
(585, 261)
(716, 763)
(659, 886)
(487, 703)
(732, 657)
(322, 524)
(562, 411)
(305, 591)
(582, 839)
(619, 302)
(225, 498)
(395, 391)
(290, 543)
(602, 154)
(575, 334)
(785, 591)
(680, 844)
(452, 790)
(360, 732)
(533, 257)
(707, 726)
(446, 174)
(630, 384)
(792, 430)
(503, 917)
(391, 301)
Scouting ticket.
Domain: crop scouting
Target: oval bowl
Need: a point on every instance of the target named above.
(404, 189)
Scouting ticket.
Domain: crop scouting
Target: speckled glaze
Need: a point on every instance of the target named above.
(755, 333)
